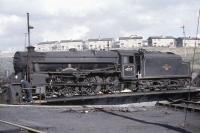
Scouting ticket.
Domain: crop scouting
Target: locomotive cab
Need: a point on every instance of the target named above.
(129, 66)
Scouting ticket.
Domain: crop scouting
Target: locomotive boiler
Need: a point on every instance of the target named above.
(72, 73)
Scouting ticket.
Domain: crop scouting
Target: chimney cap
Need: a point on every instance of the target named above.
(30, 48)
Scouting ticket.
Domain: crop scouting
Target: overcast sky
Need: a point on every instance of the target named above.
(83, 19)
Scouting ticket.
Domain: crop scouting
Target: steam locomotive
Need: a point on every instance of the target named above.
(72, 73)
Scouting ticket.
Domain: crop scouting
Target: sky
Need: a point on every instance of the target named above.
(83, 19)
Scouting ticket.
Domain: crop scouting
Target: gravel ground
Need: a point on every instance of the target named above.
(101, 119)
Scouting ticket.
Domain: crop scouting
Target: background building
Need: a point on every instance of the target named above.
(47, 46)
(145, 43)
(100, 44)
(71, 44)
(121, 43)
(188, 42)
(130, 42)
(116, 44)
(160, 41)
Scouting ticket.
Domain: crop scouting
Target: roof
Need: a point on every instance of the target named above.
(189, 38)
(125, 52)
(100, 39)
(161, 37)
(48, 42)
(63, 41)
(131, 37)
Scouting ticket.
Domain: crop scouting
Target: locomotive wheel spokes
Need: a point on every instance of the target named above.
(112, 84)
(87, 91)
(68, 90)
(92, 88)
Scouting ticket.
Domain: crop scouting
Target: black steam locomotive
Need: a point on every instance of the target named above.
(71, 73)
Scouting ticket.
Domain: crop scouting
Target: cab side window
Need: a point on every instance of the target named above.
(131, 59)
(128, 59)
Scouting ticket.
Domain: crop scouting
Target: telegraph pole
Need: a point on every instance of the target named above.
(183, 27)
(29, 51)
(28, 28)
(184, 37)
(25, 41)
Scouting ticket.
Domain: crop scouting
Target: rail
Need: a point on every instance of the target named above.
(31, 130)
(182, 104)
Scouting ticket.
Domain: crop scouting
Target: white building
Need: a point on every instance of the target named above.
(100, 44)
(145, 43)
(188, 42)
(130, 42)
(66, 45)
(116, 45)
(160, 41)
(47, 46)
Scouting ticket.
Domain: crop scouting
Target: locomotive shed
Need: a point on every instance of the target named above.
(125, 97)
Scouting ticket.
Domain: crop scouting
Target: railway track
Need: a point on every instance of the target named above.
(182, 104)
(23, 128)
(124, 97)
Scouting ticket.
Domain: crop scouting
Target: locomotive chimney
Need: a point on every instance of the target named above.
(31, 48)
